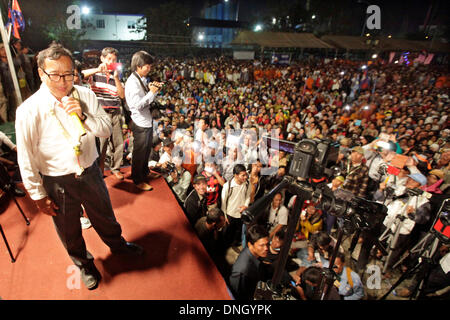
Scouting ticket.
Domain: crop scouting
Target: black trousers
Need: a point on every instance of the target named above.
(233, 232)
(142, 145)
(69, 193)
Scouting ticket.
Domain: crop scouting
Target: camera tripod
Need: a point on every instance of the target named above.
(8, 187)
(427, 248)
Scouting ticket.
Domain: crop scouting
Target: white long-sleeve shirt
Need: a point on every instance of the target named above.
(42, 148)
(139, 101)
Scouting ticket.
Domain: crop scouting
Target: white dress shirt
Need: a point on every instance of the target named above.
(42, 147)
(139, 101)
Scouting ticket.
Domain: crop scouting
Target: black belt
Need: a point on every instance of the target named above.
(74, 175)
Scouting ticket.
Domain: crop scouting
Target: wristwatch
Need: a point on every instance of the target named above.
(84, 117)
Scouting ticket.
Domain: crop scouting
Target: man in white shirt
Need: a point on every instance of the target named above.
(58, 164)
(278, 215)
(139, 96)
(235, 199)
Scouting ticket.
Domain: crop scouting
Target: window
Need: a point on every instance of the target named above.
(101, 24)
(131, 25)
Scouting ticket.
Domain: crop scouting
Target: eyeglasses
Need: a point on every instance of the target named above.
(56, 77)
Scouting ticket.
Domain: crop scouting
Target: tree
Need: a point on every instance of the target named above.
(42, 29)
(166, 22)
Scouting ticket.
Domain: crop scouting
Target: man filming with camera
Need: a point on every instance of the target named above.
(139, 96)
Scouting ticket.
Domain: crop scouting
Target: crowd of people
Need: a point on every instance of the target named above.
(200, 123)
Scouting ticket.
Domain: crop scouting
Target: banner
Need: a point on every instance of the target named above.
(243, 55)
(391, 56)
(429, 58)
(281, 58)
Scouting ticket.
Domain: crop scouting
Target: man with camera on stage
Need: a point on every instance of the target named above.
(57, 157)
(105, 82)
(139, 95)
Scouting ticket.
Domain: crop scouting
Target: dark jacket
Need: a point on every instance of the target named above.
(194, 207)
(245, 274)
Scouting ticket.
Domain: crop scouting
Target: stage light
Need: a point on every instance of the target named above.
(367, 34)
(374, 56)
(389, 36)
(258, 28)
(364, 67)
(85, 10)
(274, 20)
(313, 16)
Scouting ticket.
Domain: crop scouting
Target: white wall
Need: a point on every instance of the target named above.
(115, 27)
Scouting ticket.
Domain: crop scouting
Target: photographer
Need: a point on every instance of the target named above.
(307, 284)
(412, 210)
(139, 96)
(178, 178)
(348, 283)
(105, 82)
(378, 154)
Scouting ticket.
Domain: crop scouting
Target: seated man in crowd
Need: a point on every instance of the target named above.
(278, 215)
(311, 221)
(319, 250)
(348, 283)
(307, 284)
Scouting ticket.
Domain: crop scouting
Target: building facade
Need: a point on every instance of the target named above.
(113, 27)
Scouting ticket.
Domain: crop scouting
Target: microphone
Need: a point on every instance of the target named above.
(74, 116)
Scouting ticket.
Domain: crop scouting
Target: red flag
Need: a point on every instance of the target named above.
(15, 18)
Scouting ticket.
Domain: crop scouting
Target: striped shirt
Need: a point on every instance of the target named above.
(104, 87)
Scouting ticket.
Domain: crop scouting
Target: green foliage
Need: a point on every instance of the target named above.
(168, 19)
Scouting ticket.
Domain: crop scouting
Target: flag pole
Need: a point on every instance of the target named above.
(10, 60)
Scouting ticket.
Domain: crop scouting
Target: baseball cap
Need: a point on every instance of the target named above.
(418, 177)
(358, 149)
(199, 178)
(167, 142)
(438, 173)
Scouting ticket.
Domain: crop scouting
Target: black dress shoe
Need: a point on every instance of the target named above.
(129, 248)
(90, 276)
(18, 192)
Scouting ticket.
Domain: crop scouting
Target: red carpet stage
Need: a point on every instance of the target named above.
(175, 266)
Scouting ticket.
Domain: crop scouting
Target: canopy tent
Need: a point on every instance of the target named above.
(280, 40)
(413, 45)
(346, 42)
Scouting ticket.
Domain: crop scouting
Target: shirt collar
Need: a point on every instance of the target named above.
(51, 98)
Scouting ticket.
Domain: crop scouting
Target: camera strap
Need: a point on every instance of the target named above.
(144, 87)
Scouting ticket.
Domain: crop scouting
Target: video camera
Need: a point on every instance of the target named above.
(357, 213)
(170, 167)
(310, 158)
